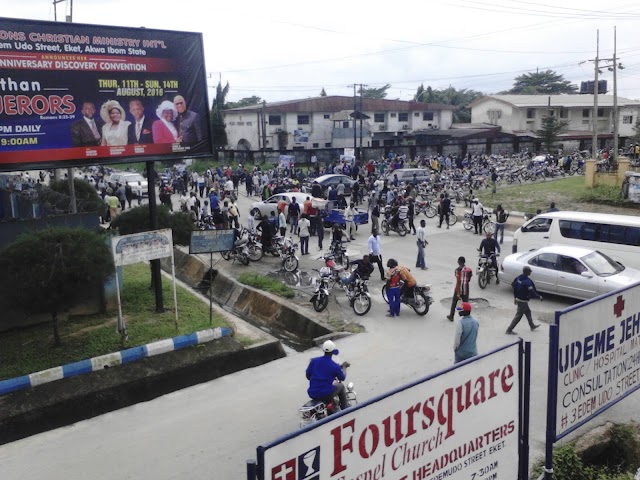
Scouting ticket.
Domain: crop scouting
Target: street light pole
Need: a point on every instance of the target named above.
(594, 120)
(615, 101)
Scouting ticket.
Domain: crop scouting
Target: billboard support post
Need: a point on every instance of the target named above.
(526, 410)
(551, 401)
(72, 191)
(251, 470)
(156, 275)
(211, 289)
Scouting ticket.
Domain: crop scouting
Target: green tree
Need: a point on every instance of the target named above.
(244, 102)
(545, 83)
(47, 271)
(218, 133)
(55, 198)
(136, 220)
(636, 128)
(323, 93)
(550, 130)
(450, 96)
(374, 92)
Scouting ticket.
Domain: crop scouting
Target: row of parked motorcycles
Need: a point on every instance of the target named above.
(249, 248)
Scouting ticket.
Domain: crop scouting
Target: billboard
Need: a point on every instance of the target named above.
(209, 241)
(74, 95)
(461, 423)
(142, 247)
(596, 362)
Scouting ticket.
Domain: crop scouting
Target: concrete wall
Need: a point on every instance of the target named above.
(613, 179)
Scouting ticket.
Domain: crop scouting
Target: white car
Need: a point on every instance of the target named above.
(259, 209)
(138, 183)
(574, 272)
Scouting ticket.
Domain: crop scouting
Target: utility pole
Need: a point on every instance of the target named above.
(355, 109)
(614, 160)
(361, 88)
(264, 133)
(596, 90)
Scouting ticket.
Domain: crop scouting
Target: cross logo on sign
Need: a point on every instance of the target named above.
(618, 307)
(284, 471)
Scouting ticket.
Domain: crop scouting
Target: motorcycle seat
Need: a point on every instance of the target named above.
(312, 403)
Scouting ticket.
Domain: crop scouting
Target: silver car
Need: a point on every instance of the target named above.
(574, 272)
(259, 209)
(138, 183)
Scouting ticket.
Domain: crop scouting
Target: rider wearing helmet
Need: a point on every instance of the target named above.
(489, 247)
(321, 373)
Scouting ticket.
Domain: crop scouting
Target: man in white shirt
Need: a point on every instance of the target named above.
(421, 241)
(282, 223)
(477, 212)
(303, 232)
(375, 253)
(349, 215)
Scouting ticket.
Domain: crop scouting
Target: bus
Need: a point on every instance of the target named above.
(618, 236)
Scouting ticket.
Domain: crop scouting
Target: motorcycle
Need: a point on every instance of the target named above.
(255, 247)
(427, 208)
(338, 252)
(240, 252)
(485, 271)
(358, 295)
(387, 225)
(420, 301)
(322, 285)
(315, 410)
(488, 225)
(287, 252)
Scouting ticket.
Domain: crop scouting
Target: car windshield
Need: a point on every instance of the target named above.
(133, 178)
(602, 265)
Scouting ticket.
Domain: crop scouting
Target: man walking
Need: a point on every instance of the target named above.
(445, 208)
(523, 290)
(421, 241)
(466, 336)
(463, 275)
(375, 254)
(349, 215)
(477, 211)
(303, 231)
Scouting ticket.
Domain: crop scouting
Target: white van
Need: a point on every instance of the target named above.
(618, 236)
(406, 174)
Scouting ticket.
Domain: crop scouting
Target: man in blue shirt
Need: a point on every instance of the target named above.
(321, 373)
(523, 290)
(466, 336)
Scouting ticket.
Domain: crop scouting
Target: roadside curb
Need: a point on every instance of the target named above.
(112, 359)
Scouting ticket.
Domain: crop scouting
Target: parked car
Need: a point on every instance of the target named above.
(406, 175)
(331, 180)
(138, 183)
(259, 209)
(574, 272)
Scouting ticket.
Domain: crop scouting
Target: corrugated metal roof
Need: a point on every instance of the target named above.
(557, 100)
(338, 103)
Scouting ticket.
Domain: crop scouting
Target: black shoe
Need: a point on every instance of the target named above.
(450, 318)
(534, 327)
(510, 332)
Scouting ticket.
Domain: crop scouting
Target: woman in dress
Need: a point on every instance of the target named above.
(115, 129)
(164, 131)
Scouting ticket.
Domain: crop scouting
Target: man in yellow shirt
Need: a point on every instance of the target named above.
(114, 205)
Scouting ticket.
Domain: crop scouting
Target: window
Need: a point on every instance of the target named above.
(627, 119)
(545, 260)
(275, 120)
(586, 112)
(232, 123)
(572, 265)
(303, 119)
(428, 116)
(600, 232)
(564, 113)
(298, 148)
(378, 117)
(601, 112)
(346, 124)
(393, 115)
(416, 114)
(316, 145)
(403, 117)
(240, 124)
(375, 143)
(249, 124)
(327, 116)
(389, 143)
(531, 113)
(551, 113)
(538, 225)
(327, 145)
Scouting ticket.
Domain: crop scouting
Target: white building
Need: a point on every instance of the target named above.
(327, 122)
(522, 115)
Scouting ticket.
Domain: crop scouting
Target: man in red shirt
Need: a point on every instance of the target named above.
(463, 276)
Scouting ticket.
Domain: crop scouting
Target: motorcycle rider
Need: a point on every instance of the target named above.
(364, 270)
(401, 215)
(409, 281)
(489, 247)
(321, 373)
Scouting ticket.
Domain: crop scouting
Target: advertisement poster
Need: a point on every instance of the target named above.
(142, 247)
(598, 357)
(79, 95)
(459, 424)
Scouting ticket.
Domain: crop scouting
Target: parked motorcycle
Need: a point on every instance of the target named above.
(488, 225)
(427, 208)
(287, 252)
(255, 247)
(338, 251)
(358, 295)
(485, 271)
(420, 301)
(322, 285)
(239, 252)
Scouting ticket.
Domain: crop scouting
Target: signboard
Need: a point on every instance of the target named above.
(142, 247)
(78, 95)
(209, 241)
(462, 423)
(597, 359)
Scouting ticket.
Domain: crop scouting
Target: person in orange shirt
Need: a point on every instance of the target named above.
(306, 206)
(281, 206)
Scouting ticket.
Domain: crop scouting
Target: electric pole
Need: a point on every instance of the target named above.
(355, 109)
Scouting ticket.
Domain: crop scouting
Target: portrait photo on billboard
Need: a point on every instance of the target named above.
(78, 95)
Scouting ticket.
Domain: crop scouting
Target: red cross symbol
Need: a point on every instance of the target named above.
(284, 471)
(618, 307)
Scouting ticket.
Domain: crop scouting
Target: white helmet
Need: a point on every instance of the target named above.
(328, 346)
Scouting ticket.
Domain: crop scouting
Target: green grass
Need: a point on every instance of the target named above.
(30, 350)
(267, 284)
(568, 194)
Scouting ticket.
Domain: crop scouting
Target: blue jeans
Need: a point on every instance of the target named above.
(499, 228)
(393, 294)
(420, 261)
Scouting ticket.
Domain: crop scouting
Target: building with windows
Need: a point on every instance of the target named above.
(329, 122)
(522, 116)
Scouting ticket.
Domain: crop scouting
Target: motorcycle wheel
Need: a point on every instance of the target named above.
(489, 227)
(255, 253)
(453, 218)
(244, 259)
(483, 279)
(384, 294)
(402, 231)
(361, 304)
(421, 306)
(467, 223)
(226, 255)
(290, 263)
(320, 302)
(385, 227)
(430, 212)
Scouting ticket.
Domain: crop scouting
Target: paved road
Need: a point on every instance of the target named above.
(208, 431)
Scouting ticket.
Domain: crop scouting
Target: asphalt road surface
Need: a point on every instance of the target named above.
(208, 431)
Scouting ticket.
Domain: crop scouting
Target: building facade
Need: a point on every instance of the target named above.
(328, 122)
